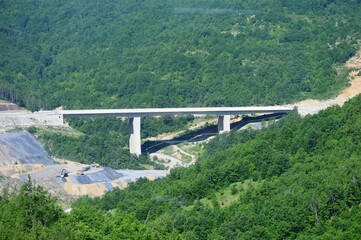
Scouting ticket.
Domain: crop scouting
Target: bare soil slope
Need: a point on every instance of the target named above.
(7, 106)
(312, 106)
(22, 148)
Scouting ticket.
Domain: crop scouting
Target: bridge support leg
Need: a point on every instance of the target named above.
(134, 135)
(224, 123)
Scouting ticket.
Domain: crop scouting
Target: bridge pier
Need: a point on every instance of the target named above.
(134, 136)
(224, 123)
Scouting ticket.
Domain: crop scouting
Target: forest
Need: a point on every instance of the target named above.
(300, 178)
(176, 53)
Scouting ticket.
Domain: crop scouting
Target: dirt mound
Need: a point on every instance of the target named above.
(22, 148)
(94, 189)
(106, 175)
(89, 184)
(7, 106)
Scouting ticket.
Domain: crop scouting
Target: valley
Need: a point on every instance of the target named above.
(148, 119)
(171, 150)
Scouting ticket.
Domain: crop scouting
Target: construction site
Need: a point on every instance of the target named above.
(23, 158)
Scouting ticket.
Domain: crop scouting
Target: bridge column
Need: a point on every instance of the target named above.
(134, 136)
(224, 123)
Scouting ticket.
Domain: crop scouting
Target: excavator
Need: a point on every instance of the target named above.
(64, 173)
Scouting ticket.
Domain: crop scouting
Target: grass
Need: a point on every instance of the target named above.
(195, 149)
(67, 131)
(226, 196)
(168, 150)
(185, 158)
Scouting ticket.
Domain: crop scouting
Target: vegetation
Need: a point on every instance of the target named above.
(111, 54)
(299, 178)
(105, 140)
(26, 215)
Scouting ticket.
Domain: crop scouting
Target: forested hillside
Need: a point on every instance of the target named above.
(154, 53)
(299, 178)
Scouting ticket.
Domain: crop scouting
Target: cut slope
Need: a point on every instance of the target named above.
(106, 175)
(22, 147)
(7, 106)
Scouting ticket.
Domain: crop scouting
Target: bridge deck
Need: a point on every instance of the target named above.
(152, 112)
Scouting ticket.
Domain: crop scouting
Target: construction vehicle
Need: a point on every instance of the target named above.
(64, 173)
(86, 168)
(95, 165)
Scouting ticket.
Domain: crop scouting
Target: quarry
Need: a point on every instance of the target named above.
(23, 158)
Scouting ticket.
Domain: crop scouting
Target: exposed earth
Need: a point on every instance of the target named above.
(312, 106)
(23, 157)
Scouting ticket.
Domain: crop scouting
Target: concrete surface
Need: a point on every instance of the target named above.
(134, 136)
(153, 112)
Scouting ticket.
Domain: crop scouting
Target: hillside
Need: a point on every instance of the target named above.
(108, 54)
(299, 178)
(22, 148)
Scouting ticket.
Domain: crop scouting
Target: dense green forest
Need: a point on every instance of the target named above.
(154, 53)
(176, 53)
(298, 179)
(104, 140)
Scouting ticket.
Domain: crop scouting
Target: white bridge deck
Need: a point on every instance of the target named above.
(152, 112)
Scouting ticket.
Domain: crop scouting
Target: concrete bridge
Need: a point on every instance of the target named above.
(134, 115)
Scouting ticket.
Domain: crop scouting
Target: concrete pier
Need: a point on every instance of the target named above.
(224, 123)
(134, 136)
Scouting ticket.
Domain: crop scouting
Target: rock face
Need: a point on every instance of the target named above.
(22, 148)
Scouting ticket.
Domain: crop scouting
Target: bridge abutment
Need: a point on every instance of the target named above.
(224, 123)
(134, 136)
